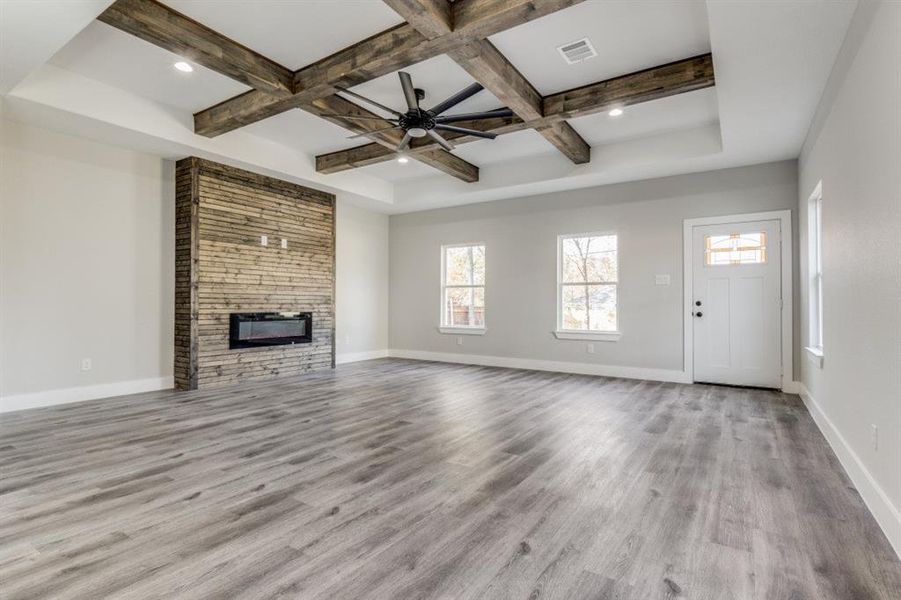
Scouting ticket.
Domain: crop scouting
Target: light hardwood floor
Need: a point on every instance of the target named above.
(399, 479)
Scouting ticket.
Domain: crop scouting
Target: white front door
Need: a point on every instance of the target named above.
(737, 303)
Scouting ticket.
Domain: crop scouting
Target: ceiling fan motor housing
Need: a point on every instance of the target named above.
(417, 123)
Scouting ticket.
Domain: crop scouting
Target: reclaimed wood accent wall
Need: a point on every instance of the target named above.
(221, 267)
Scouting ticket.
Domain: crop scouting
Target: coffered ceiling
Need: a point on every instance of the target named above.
(767, 87)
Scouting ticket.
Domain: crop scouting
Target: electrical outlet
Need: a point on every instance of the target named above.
(85, 364)
(589, 348)
(284, 244)
(264, 240)
(875, 437)
(459, 340)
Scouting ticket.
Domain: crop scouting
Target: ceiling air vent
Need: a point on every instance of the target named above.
(575, 52)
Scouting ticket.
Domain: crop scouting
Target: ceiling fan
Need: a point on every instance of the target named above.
(419, 122)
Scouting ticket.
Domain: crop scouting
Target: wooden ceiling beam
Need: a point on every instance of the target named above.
(161, 26)
(666, 80)
(492, 69)
(671, 79)
(448, 163)
(383, 53)
(431, 18)
(164, 27)
(488, 66)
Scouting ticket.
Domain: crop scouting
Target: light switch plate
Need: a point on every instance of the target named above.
(264, 240)
(661, 279)
(284, 243)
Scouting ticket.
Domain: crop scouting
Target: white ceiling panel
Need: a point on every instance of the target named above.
(505, 148)
(628, 36)
(303, 131)
(106, 54)
(293, 33)
(640, 120)
(394, 171)
(32, 32)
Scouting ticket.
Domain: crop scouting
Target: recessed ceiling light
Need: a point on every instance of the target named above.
(183, 67)
(615, 112)
(403, 160)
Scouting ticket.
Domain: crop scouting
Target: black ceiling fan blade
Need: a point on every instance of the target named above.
(443, 142)
(457, 98)
(473, 132)
(406, 82)
(370, 133)
(488, 114)
(356, 118)
(404, 143)
(372, 102)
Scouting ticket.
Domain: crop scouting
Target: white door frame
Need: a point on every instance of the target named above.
(785, 241)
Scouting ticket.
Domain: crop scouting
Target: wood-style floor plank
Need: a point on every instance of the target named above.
(402, 479)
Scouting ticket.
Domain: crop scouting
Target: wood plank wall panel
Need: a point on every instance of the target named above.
(221, 268)
(186, 246)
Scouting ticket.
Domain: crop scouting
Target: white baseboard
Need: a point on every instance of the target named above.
(886, 514)
(545, 365)
(87, 392)
(350, 357)
(791, 387)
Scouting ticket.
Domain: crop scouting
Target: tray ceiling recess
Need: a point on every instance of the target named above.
(432, 28)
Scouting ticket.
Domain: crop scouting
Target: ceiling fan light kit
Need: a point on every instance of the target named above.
(418, 122)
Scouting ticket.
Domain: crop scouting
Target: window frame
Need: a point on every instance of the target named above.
(815, 274)
(443, 326)
(584, 334)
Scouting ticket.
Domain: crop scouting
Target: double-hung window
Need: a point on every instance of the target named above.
(463, 288)
(815, 270)
(587, 280)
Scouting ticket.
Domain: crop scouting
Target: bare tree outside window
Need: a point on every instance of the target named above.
(588, 283)
(463, 286)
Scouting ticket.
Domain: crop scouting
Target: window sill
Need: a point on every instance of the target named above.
(593, 336)
(462, 330)
(815, 355)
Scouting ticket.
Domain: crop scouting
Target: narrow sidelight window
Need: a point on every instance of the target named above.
(815, 268)
(463, 286)
(587, 279)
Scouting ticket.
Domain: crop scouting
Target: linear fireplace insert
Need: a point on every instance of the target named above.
(253, 330)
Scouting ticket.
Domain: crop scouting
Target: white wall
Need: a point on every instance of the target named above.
(361, 282)
(854, 148)
(521, 237)
(87, 238)
(86, 266)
